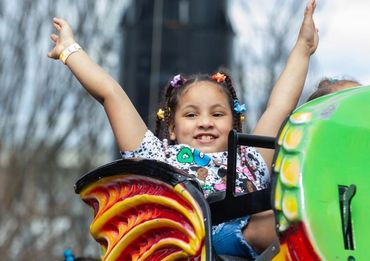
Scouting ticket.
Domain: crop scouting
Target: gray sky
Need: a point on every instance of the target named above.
(344, 48)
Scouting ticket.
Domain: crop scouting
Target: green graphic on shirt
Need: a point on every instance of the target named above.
(185, 155)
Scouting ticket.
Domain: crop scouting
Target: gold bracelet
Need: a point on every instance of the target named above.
(68, 51)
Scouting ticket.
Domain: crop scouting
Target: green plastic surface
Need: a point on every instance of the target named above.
(330, 138)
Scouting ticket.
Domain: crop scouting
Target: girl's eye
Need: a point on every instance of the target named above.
(190, 115)
(218, 114)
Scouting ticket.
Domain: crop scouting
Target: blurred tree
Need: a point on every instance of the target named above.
(51, 132)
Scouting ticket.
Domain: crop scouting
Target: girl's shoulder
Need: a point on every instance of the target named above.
(150, 145)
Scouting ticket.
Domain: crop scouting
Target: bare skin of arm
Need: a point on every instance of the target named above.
(283, 100)
(128, 127)
(288, 88)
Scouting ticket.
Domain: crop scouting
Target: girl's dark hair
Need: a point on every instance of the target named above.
(171, 99)
(330, 85)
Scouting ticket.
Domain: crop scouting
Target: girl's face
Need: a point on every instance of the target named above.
(203, 118)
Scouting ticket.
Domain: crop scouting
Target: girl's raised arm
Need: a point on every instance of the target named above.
(128, 127)
(287, 90)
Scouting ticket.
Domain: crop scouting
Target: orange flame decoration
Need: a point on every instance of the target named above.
(137, 218)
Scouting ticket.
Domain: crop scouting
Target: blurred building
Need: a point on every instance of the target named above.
(166, 37)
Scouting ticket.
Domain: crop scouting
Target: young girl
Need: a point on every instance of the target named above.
(193, 125)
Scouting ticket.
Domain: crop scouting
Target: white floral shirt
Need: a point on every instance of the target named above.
(208, 168)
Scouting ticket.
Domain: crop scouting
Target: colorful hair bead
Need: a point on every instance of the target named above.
(160, 114)
(177, 81)
(239, 108)
(218, 77)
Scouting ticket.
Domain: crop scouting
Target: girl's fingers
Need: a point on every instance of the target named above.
(54, 37)
(59, 21)
(314, 5)
(57, 27)
(50, 54)
(58, 24)
(310, 8)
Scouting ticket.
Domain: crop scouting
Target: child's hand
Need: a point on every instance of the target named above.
(64, 38)
(308, 36)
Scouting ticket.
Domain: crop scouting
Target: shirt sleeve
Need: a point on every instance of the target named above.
(150, 148)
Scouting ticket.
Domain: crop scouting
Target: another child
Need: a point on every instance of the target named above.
(193, 125)
(330, 85)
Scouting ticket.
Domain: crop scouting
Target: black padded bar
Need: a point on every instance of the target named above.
(240, 205)
(255, 141)
(231, 163)
(229, 205)
(234, 140)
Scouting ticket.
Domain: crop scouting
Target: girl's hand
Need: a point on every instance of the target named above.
(63, 39)
(308, 36)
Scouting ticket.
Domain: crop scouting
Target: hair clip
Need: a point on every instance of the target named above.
(177, 81)
(239, 108)
(242, 118)
(160, 114)
(333, 80)
(218, 77)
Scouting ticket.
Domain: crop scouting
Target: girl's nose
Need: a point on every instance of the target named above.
(205, 122)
